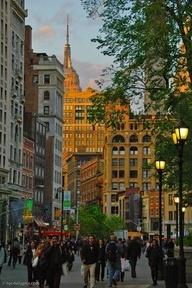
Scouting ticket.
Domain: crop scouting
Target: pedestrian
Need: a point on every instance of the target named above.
(133, 253)
(15, 250)
(43, 262)
(101, 263)
(153, 254)
(55, 260)
(29, 256)
(2, 256)
(113, 256)
(89, 256)
(170, 248)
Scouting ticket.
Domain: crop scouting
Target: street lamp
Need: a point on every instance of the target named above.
(176, 201)
(77, 216)
(160, 166)
(179, 138)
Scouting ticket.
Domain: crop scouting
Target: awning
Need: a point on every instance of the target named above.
(40, 222)
(55, 233)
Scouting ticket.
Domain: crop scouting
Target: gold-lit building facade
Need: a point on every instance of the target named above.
(81, 140)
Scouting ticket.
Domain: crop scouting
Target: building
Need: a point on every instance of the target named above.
(129, 156)
(79, 136)
(44, 99)
(12, 25)
(91, 179)
(28, 168)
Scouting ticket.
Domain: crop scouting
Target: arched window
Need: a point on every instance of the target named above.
(46, 95)
(122, 151)
(146, 138)
(115, 151)
(133, 138)
(133, 150)
(118, 139)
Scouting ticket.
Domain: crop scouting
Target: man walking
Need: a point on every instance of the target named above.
(89, 257)
(113, 256)
(133, 253)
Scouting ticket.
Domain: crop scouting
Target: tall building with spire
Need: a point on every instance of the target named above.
(78, 135)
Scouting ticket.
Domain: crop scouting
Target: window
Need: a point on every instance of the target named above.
(35, 79)
(115, 151)
(121, 173)
(146, 174)
(118, 139)
(154, 224)
(133, 150)
(170, 199)
(46, 110)
(114, 162)
(133, 184)
(114, 210)
(146, 186)
(46, 95)
(133, 162)
(114, 174)
(115, 186)
(122, 151)
(133, 138)
(146, 138)
(170, 215)
(133, 173)
(122, 186)
(146, 150)
(46, 79)
(121, 162)
(114, 198)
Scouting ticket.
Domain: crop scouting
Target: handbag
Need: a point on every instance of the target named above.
(65, 269)
(127, 265)
(82, 270)
(35, 262)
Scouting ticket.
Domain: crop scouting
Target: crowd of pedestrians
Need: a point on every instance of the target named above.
(101, 259)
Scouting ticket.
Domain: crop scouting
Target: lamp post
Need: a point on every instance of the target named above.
(62, 212)
(160, 166)
(77, 216)
(179, 138)
(176, 201)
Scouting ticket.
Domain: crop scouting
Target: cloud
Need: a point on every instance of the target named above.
(89, 72)
(44, 32)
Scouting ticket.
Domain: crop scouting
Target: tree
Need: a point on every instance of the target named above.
(151, 44)
(94, 222)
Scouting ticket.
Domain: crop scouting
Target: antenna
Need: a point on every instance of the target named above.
(67, 28)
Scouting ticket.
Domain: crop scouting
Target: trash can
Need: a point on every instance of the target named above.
(170, 272)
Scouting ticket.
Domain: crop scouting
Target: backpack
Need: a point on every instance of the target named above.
(111, 253)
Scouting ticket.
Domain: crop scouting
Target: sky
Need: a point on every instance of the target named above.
(48, 18)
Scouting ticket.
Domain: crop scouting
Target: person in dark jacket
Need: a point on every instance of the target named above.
(153, 254)
(55, 260)
(29, 255)
(133, 253)
(89, 257)
(101, 263)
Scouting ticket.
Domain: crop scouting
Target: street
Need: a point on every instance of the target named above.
(18, 277)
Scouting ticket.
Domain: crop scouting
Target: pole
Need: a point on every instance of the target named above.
(77, 221)
(177, 224)
(160, 208)
(62, 212)
(181, 260)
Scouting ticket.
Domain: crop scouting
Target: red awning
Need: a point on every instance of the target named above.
(54, 233)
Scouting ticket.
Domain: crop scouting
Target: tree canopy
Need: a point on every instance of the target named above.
(151, 44)
(94, 222)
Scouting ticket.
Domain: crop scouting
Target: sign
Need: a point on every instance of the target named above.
(67, 200)
(28, 211)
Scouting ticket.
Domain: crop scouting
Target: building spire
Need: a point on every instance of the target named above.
(71, 81)
(67, 42)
